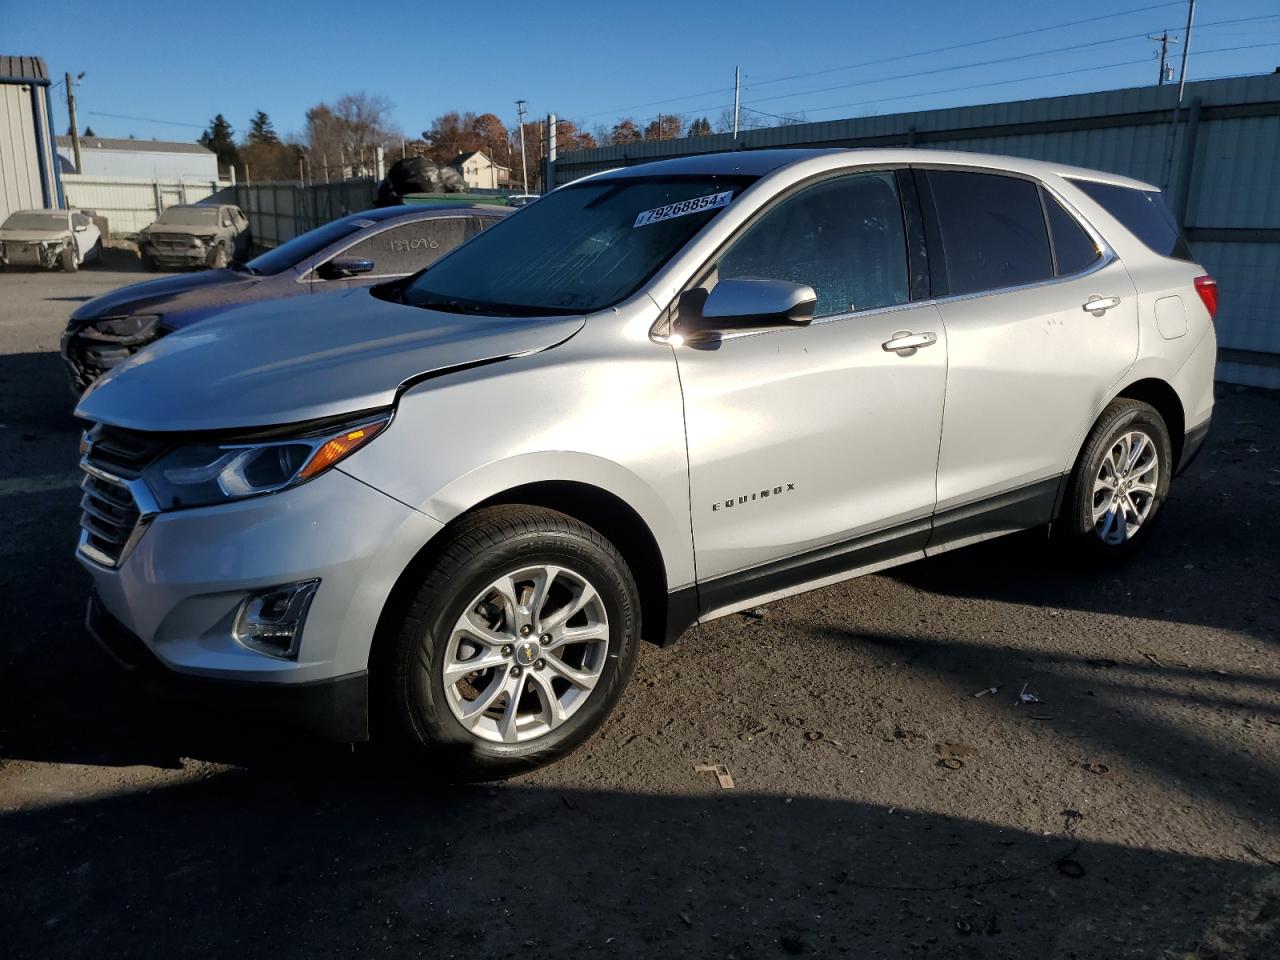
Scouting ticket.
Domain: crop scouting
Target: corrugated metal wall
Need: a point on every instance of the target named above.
(21, 130)
(280, 211)
(1218, 159)
(129, 203)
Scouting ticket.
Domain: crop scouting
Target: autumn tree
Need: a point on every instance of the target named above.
(666, 127)
(624, 131)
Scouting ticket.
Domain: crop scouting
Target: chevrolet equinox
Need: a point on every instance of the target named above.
(448, 508)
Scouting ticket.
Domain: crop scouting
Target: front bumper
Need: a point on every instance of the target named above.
(86, 360)
(32, 255)
(177, 591)
(181, 256)
(336, 708)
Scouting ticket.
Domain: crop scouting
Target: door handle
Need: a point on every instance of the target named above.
(1099, 305)
(906, 340)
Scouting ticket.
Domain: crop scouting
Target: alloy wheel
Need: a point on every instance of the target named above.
(526, 653)
(1124, 491)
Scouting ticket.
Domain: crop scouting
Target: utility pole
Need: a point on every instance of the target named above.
(737, 99)
(1186, 48)
(659, 137)
(75, 130)
(524, 166)
(1165, 40)
(549, 183)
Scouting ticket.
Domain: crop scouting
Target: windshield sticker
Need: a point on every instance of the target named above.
(711, 201)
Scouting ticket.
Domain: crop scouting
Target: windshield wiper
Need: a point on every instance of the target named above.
(481, 307)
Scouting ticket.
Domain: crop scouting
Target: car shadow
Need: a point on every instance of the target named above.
(350, 863)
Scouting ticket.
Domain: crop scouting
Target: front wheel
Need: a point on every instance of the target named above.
(219, 259)
(70, 264)
(1119, 484)
(517, 645)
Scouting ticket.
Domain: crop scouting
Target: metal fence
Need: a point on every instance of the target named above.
(280, 211)
(130, 203)
(1218, 158)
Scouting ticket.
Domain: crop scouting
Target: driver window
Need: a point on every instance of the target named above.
(844, 237)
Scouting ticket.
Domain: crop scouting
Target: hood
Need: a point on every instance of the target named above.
(155, 294)
(285, 361)
(34, 236)
(186, 229)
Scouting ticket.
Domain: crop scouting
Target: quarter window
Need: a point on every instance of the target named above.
(993, 230)
(1143, 213)
(411, 246)
(843, 237)
(1073, 249)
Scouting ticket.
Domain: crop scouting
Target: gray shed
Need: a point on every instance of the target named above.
(28, 164)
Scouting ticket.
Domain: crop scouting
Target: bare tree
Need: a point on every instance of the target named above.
(345, 135)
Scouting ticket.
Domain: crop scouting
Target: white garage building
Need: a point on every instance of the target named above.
(140, 159)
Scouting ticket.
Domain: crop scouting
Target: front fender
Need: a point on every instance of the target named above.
(609, 419)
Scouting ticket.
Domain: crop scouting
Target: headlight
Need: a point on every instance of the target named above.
(218, 472)
(206, 240)
(133, 329)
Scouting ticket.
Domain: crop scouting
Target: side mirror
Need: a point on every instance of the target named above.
(340, 267)
(745, 304)
(81, 228)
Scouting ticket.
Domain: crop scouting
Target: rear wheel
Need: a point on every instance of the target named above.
(1119, 484)
(517, 645)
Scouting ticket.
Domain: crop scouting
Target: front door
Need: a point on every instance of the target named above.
(813, 450)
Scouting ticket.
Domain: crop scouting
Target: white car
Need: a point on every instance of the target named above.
(448, 508)
(49, 238)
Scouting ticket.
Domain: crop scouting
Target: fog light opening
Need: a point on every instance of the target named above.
(270, 621)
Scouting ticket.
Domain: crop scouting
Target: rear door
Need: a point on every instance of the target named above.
(812, 450)
(1041, 323)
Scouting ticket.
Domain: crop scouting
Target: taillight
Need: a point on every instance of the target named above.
(1207, 287)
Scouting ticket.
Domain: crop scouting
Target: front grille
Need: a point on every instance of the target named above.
(179, 243)
(110, 514)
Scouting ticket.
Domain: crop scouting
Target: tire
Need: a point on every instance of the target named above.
(1115, 535)
(149, 263)
(69, 262)
(96, 253)
(219, 259)
(426, 710)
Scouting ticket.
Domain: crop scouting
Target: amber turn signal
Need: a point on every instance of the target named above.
(331, 451)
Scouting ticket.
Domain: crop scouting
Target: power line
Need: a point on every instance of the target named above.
(973, 43)
(1039, 76)
(168, 123)
(904, 56)
(987, 63)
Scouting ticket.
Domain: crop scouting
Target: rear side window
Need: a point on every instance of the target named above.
(1143, 213)
(1073, 249)
(993, 230)
(411, 246)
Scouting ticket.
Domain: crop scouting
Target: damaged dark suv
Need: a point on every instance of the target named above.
(196, 235)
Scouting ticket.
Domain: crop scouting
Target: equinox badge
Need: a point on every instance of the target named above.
(748, 497)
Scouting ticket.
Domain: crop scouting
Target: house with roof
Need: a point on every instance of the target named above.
(142, 159)
(481, 172)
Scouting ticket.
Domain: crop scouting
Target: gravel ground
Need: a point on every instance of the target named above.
(879, 807)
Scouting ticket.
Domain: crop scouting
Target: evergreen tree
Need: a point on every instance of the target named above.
(700, 127)
(220, 138)
(261, 129)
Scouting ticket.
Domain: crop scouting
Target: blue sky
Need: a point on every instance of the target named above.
(596, 62)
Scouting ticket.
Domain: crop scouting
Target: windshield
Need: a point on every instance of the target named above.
(577, 250)
(35, 220)
(190, 216)
(293, 252)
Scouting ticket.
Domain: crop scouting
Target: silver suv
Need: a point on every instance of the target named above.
(447, 509)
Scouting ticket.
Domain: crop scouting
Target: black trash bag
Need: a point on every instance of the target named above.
(417, 175)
